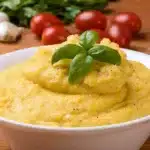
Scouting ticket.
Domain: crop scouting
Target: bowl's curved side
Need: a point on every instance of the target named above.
(129, 136)
(12, 58)
(138, 56)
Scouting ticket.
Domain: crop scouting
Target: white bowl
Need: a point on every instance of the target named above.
(125, 136)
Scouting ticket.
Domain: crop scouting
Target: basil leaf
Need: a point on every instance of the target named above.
(105, 54)
(68, 51)
(88, 39)
(79, 68)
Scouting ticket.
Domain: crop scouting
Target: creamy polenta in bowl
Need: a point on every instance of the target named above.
(40, 92)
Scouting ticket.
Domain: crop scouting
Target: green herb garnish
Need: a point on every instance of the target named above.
(82, 56)
(68, 51)
(79, 67)
(21, 11)
(88, 39)
(105, 54)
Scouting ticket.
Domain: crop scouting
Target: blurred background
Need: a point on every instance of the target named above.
(24, 23)
(74, 14)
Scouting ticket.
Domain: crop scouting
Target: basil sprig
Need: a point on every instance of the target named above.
(82, 56)
(79, 67)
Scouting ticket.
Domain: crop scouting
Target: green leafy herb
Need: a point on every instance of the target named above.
(105, 54)
(88, 39)
(68, 51)
(65, 9)
(71, 12)
(29, 12)
(79, 67)
(83, 56)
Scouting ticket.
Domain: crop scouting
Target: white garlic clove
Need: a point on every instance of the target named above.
(3, 17)
(9, 32)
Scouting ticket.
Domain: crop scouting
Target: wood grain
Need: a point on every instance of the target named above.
(141, 43)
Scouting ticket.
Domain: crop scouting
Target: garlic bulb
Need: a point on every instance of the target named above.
(9, 32)
(3, 17)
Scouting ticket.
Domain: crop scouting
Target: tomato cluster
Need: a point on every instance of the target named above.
(121, 27)
(49, 27)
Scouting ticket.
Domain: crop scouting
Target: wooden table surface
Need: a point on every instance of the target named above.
(141, 43)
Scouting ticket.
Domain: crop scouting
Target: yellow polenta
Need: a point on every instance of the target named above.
(36, 92)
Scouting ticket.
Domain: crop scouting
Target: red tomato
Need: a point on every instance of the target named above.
(54, 35)
(130, 19)
(120, 34)
(102, 34)
(43, 20)
(90, 19)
